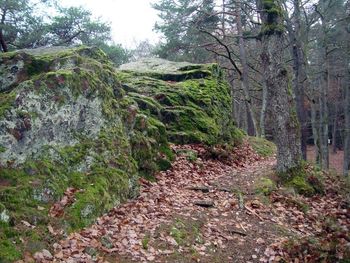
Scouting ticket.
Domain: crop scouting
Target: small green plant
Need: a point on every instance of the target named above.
(178, 232)
(265, 186)
(190, 155)
(145, 242)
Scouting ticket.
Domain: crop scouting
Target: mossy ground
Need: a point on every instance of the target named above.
(305, 180)
(262, 146)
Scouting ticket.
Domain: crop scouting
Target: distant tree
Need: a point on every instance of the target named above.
(19, 26)
(346, 49)
(180, 25)
(143, 49)
(118, 54)
(75, 25)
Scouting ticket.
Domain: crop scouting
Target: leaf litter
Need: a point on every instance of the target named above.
(144, 229)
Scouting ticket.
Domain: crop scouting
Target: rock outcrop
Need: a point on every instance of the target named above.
(69, 119)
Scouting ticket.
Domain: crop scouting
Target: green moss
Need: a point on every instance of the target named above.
(37, 66)
(8, 251)
(272, 29)
(300, 184)
(146, 103)
(6, 102)
(178, 232)
(42, 182)
(303, 180)
(262, 146)
(190, 154)
(107, 187)
(274, 13)
(145, 242)
(163, 164)
(265, 186)
(193, 110)
(2, 149)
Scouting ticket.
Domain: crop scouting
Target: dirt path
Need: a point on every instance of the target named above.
(201, 210)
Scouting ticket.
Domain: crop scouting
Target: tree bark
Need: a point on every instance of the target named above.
(324, 160)
(346, 168)
(334, 130)
(2, 38)
(263, 109)
(300, 76)
(252, 123)
(315, 130)
(286, 130)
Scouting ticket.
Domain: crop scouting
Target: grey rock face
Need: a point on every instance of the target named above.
(10, 73)
(157, 65)
(38, 121)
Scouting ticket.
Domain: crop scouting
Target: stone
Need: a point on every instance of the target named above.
(106, 242)
(200, 188)
(4, 216)
(90, 251)
(47, 254)
(204, 203)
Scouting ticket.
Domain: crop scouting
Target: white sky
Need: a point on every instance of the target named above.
(131, 20)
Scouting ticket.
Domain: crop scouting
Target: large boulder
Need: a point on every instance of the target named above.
(70, 120)
(192, 100)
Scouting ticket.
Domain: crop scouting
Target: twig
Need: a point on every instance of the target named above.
(242, 227)
(253, 212)
(241, 200)
(234, 231)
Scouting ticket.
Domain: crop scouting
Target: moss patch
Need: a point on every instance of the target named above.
(265, 186)
(262, 146)
(6, 102)
(304, 180)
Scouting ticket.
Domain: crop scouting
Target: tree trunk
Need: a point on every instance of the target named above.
(346, 170)
(323, 128)
(252, 123)
(300, 77)
(334, 130)
(3, 44)
(324, 116)
(286, 130)
(315, 131)
(263, 109)
(251, 128)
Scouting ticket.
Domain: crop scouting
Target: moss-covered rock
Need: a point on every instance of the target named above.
(193, 101)
(68, 119)
(304, 180)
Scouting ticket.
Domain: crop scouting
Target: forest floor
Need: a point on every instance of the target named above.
(207, 209)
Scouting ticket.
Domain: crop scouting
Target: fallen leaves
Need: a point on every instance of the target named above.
(124, 228)
(57, 209)
(134, 229)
